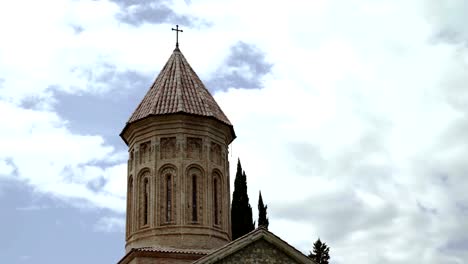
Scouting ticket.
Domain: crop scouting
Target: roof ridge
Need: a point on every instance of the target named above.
(252, 237)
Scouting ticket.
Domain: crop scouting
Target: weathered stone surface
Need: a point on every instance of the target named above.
(172, 182)
(259, 252)
(259, 246)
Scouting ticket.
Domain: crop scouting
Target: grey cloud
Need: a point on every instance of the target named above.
(455, 88)
(447, 35)
(426, 209)
(342, 210)
(245, 67)
(354, 161)
(104, 114)
(137, 12)
(456, 245)
(31, 102)
(37, 101)
(70, 175)
(463, 207)
(106, 75)
(448, 20)
(77, 29)
(447, 173)
(9, 162)
(2, 81)
(56, 226)
(96, 184)
(110, 224)
(442, 177)
(308, 158)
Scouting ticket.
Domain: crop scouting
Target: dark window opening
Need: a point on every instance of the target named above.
(194, 198)
(215, 198)
(129, 204)
(168, 198)
(145, 202)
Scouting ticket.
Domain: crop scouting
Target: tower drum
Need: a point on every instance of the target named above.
(178, 193)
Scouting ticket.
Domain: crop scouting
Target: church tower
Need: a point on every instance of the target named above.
(178, 194)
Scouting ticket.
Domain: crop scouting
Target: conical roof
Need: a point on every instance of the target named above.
(178, 89)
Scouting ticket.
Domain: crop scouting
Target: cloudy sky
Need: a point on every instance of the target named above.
(351, 117)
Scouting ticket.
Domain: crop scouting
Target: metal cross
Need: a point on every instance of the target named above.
(177, 30)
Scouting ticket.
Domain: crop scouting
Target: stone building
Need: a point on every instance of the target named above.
(178, 193)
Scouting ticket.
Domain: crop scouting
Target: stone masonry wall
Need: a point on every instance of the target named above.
(259, 252)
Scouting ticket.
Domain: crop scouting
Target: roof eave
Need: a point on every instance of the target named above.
(128, 124)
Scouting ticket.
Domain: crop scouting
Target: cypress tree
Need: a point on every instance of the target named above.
(241, 211)
(321, 252)
(262, 212)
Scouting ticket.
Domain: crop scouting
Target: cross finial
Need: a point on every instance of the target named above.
(177, 30)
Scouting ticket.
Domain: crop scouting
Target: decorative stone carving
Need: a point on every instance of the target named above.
(194, 148)
(168, 170)
(145, 152)
(215, 153)
(168, 148)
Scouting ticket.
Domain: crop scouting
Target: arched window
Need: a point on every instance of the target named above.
(168, 198)
(194, 198)
(168, 195)
(145, 201)
(215, 201)
(129, 205)
(142, 193)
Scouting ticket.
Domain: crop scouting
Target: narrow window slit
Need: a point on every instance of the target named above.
(215, 198)
(145, 202)
(168, 198)
(194, 199)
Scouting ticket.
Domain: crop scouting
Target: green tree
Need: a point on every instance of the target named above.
(241, 211)
(320, 252)
(262, 212)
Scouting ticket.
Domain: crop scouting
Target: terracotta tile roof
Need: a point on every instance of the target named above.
(174, 250)
(154, 252)
(178, 89)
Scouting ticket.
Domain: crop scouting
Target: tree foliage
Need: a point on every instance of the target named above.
(262, 212)
(241, 211)
(320, 252)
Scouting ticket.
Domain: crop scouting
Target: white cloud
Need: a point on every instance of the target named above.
(110, 224)
(351, 135)
(53, 160)
(42, 52)
(358, 137)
